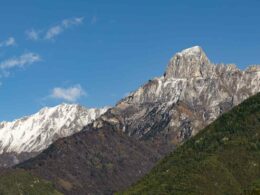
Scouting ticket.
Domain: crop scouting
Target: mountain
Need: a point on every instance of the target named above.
(25, 137)
(155, 119)
(224, 158)
(192, 93)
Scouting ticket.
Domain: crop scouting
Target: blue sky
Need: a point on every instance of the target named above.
(94, 52)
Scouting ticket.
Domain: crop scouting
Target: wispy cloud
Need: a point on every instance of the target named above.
(18, 62)
(71, 94)
(52, 32)
(8, 42)
(71, 22)
(33, 34)
(65, 24)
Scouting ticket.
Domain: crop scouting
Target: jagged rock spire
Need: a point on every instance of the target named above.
(191, 62)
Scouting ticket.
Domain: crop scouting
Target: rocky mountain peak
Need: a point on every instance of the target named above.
(191, 62)
(192, 51)
(192, 93)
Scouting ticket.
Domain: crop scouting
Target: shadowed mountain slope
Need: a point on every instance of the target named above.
(96, 162)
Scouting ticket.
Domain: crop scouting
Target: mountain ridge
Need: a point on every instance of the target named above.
(204, 95)
(160, 115)
(34, 133)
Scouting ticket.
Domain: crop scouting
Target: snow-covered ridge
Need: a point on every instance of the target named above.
(36, 132)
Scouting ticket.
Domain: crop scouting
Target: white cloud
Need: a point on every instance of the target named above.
(53, 32)
(33, 34)
(65, 24)
(9, 42)
(21, 61)
(71, 94)
(73, 21)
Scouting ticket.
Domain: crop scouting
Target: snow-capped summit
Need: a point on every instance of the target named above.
(191, 62)
(36, 132)
(195, 50)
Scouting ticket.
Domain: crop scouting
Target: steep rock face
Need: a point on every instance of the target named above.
(154, 119)
(191, 62)
(192, 93)
(32, 134)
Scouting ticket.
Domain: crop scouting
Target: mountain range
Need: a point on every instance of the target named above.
(24, 138)
(123, 144)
